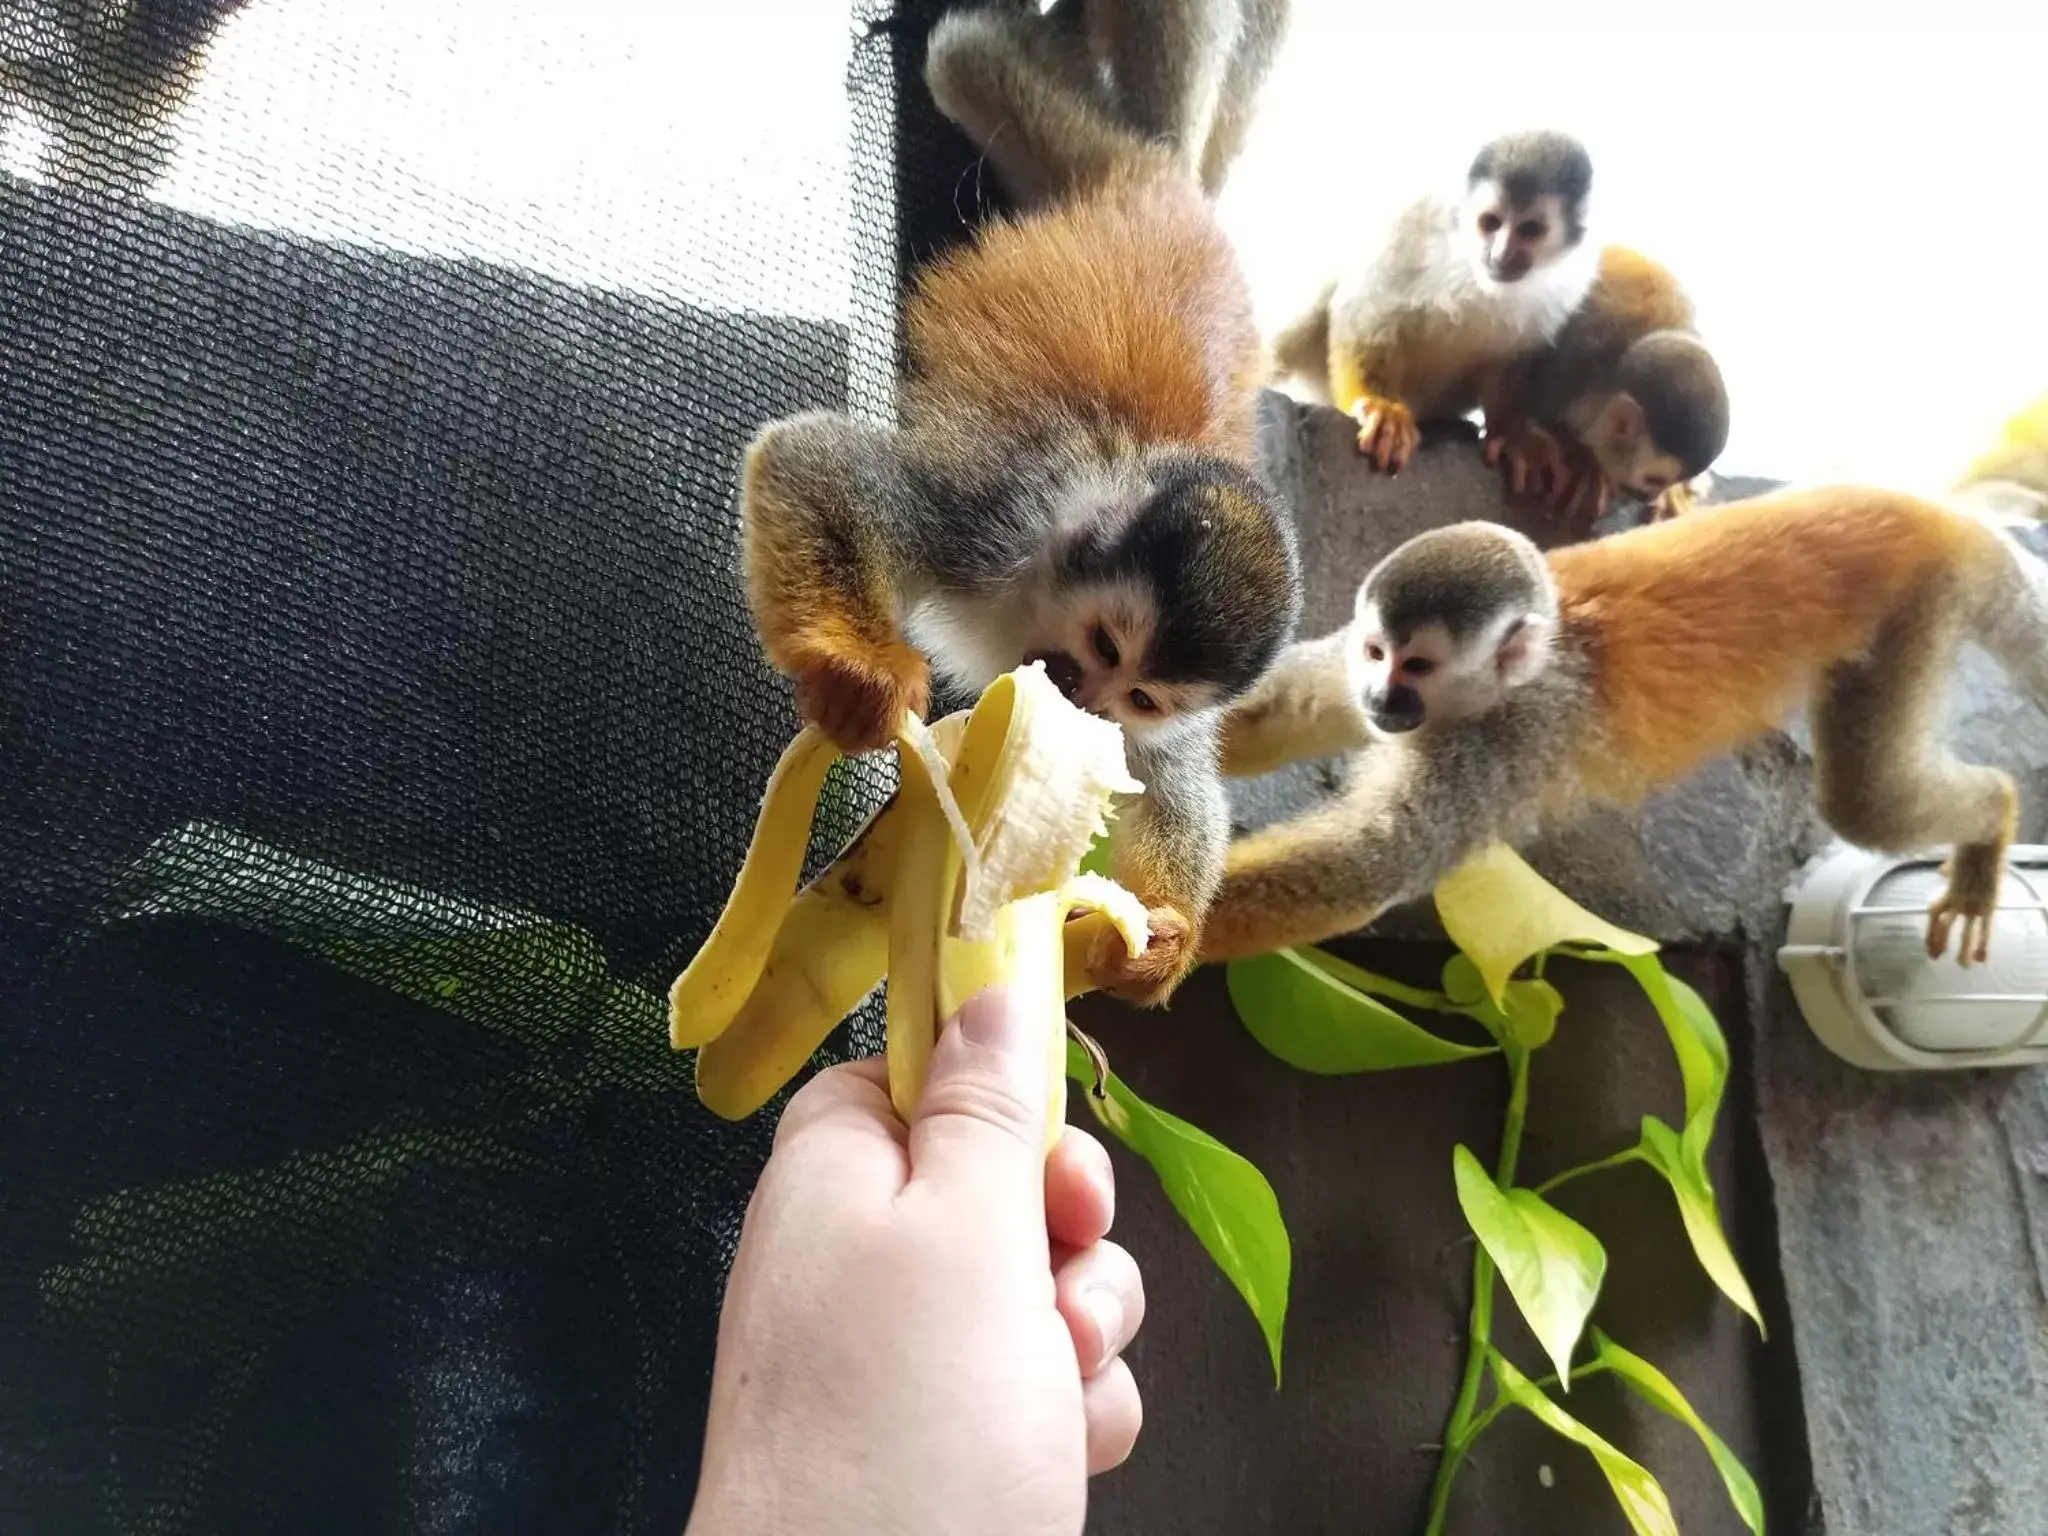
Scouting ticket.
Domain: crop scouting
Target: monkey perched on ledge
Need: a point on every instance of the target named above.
(1072, 481)
(1500, 689)
(1625, 397)
(1459, 292)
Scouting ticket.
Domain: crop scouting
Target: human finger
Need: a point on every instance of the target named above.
(980, 1123)
(1102, 1297)
(852, 1097)
(1114, 1413)
(1080, 1189)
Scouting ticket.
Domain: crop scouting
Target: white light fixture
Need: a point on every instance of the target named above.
(1855, 951)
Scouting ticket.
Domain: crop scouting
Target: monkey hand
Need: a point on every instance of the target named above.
(1581, 496)
(859, 700)
(1974, 874)
(1536, 462)
(1387, 433)
(1147, 978)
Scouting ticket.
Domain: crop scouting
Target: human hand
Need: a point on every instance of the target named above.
(923, 1328)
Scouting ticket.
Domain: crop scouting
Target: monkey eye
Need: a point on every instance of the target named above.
(1656, 483)
(1418, 666)
(1143, 702)
(1488, 223)
(1374, 651)
(1530, 229)
(1105, 645)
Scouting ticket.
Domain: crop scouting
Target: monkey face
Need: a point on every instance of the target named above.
(1095, 642)
(1398, 680)
(1629, 455)
(1513, 237)
(1447, 626)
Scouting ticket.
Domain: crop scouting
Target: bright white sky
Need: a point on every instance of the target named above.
(1859, 212)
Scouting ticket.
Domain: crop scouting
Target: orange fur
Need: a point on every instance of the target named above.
(1711, 629)
(1068, 308)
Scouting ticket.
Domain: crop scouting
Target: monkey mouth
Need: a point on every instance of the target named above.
(1061, 670)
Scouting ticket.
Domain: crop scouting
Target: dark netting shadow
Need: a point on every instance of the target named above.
(380, 728)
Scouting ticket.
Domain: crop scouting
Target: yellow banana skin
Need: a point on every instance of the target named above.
(709, 993)
(828, 954)
(963, 881)
(927, 866)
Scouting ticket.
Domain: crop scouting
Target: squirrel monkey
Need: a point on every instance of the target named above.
(1627, 383)
(108, 75)
(1500, 689)
(1072, 483)
(1182, 75)
(1460, 291)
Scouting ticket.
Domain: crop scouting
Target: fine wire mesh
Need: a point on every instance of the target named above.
(380, 729)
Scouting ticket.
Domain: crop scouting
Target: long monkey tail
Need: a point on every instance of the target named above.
(1025, 91)
(2010, 617)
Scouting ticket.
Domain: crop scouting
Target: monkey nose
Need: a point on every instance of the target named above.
(1396, 711)
(1060, 669)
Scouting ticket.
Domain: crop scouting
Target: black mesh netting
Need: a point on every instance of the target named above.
(380, 727)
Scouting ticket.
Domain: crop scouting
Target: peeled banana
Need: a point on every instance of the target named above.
(965, 879)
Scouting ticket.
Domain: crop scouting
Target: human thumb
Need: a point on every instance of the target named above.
(981, 1120)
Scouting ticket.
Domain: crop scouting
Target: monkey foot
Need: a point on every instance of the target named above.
(1972, 896)
(1148, 978)
(859, 701)
(1387, 433)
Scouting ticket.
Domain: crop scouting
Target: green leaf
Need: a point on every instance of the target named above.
(241, 1250)
(1696, 1040)
(1501, 912)
(1097, 860)
(1225, 1201)
(1553, 1266)
(1360, 979)
(1655, 1388)
(1641, 1498)
(523, 975)
(1305, 1015)
(1663, 1150)
(1531, 1009)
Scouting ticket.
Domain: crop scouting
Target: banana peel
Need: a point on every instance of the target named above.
(967, 878)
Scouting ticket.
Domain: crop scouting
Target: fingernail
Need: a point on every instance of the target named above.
(1106, 1310)
(991, 1019)
(1105, 1176)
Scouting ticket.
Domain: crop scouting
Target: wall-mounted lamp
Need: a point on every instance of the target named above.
(1855, 951)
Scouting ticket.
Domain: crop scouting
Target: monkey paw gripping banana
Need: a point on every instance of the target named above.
(965, 878)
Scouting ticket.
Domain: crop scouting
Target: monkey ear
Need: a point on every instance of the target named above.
(1621, 420)
(1524, 650)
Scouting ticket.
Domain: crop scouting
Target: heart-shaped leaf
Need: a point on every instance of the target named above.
(1553, 1266)
(1305, 1015)
(1655, 1388)
(1696, 1040)
(1639, 1494)
(1663, 1150)
(1501, 912)
(1225, 1201)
